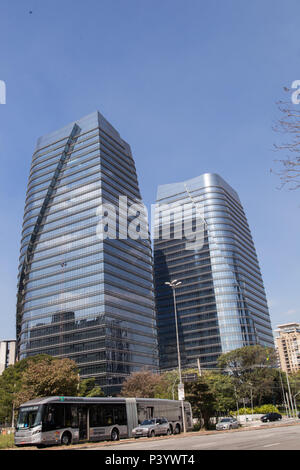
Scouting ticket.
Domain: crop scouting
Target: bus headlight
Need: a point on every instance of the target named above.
(36, 432)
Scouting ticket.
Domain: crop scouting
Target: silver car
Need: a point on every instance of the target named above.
(227, 423)
(152, 427)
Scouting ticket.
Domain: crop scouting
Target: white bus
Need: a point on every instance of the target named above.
(66, 420)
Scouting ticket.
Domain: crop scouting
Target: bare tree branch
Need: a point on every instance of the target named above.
(288, 124)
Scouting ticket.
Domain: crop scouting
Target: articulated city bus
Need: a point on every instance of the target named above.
(66, 420)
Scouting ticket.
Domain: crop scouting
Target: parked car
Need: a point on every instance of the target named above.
(270, 417)
(227, 423)
(152, 427)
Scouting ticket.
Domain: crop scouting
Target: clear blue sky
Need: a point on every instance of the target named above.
(190, 84)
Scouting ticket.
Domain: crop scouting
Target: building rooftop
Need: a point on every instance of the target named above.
(287, 327)
(193, 184)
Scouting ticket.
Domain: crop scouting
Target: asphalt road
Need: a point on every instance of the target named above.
(268, 438)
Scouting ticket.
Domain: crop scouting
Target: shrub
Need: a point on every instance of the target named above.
(197, 427)
(242, 411)
(266, 409)
(6, 441)
(257, 410)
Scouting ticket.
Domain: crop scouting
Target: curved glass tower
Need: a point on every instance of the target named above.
(79, 295)
(221, 302)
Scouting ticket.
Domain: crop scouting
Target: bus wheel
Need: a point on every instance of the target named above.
(114, 435)
(177, 429)
(66, 439)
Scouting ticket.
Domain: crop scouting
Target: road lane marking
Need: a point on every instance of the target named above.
(202, 444)
(270, 445)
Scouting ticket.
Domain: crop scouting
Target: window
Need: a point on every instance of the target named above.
(106, 415)
(120, 416)
(54, 417)
(71, 417)
(29, 417)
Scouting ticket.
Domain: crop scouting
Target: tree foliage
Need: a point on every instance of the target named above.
(246, 359)
(11, 386)
(253, 370)
(88, 388)
(202, 400)
(48, 377)
(222, 388)
(168, 387)
(143, 384)
(33, 377)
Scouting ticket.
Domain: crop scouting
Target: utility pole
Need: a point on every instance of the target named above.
(237, 403)
(295, 403)
(282, 388)
(251, 398)
(13, 409)
(290, 395)
(199, 366)
(174, 284)
(289, 408)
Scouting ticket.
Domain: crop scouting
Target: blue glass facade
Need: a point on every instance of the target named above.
(80, 296)
(221, 303)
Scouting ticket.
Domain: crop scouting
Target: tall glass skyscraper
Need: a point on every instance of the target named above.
(221, 302)
(82, 295)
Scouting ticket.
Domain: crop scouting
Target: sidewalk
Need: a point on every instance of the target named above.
(257, 422)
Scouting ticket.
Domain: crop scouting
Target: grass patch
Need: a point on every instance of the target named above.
(6, 441)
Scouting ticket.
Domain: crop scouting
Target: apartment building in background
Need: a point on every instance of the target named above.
(81, 296)
(221, 301)
(287, 344)
(7, 354)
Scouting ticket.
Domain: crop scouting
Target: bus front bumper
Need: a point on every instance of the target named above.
(25, 438)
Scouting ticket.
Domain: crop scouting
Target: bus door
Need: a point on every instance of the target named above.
(82, 422)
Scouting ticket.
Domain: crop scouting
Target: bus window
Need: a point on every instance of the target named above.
(101, 415)
(149, 412)
(107, 415)
(29, 417)
(54, 417)
(108, 419)
(96, 416)
(120, 415)
(71, 416)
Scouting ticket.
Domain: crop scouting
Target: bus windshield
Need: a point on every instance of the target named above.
(29, 417)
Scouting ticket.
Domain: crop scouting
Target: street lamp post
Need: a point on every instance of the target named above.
(174, 284)
(290, 394)
(295, 404)
(251, 398)
(283, 395)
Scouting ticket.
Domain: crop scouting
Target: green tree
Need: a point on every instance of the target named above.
(87, 388)
(222, 387)
(48, 377)
(202, 400)
(168, 387)
(253, 371)
(11, 385)
(33, 377)
(245, 359)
